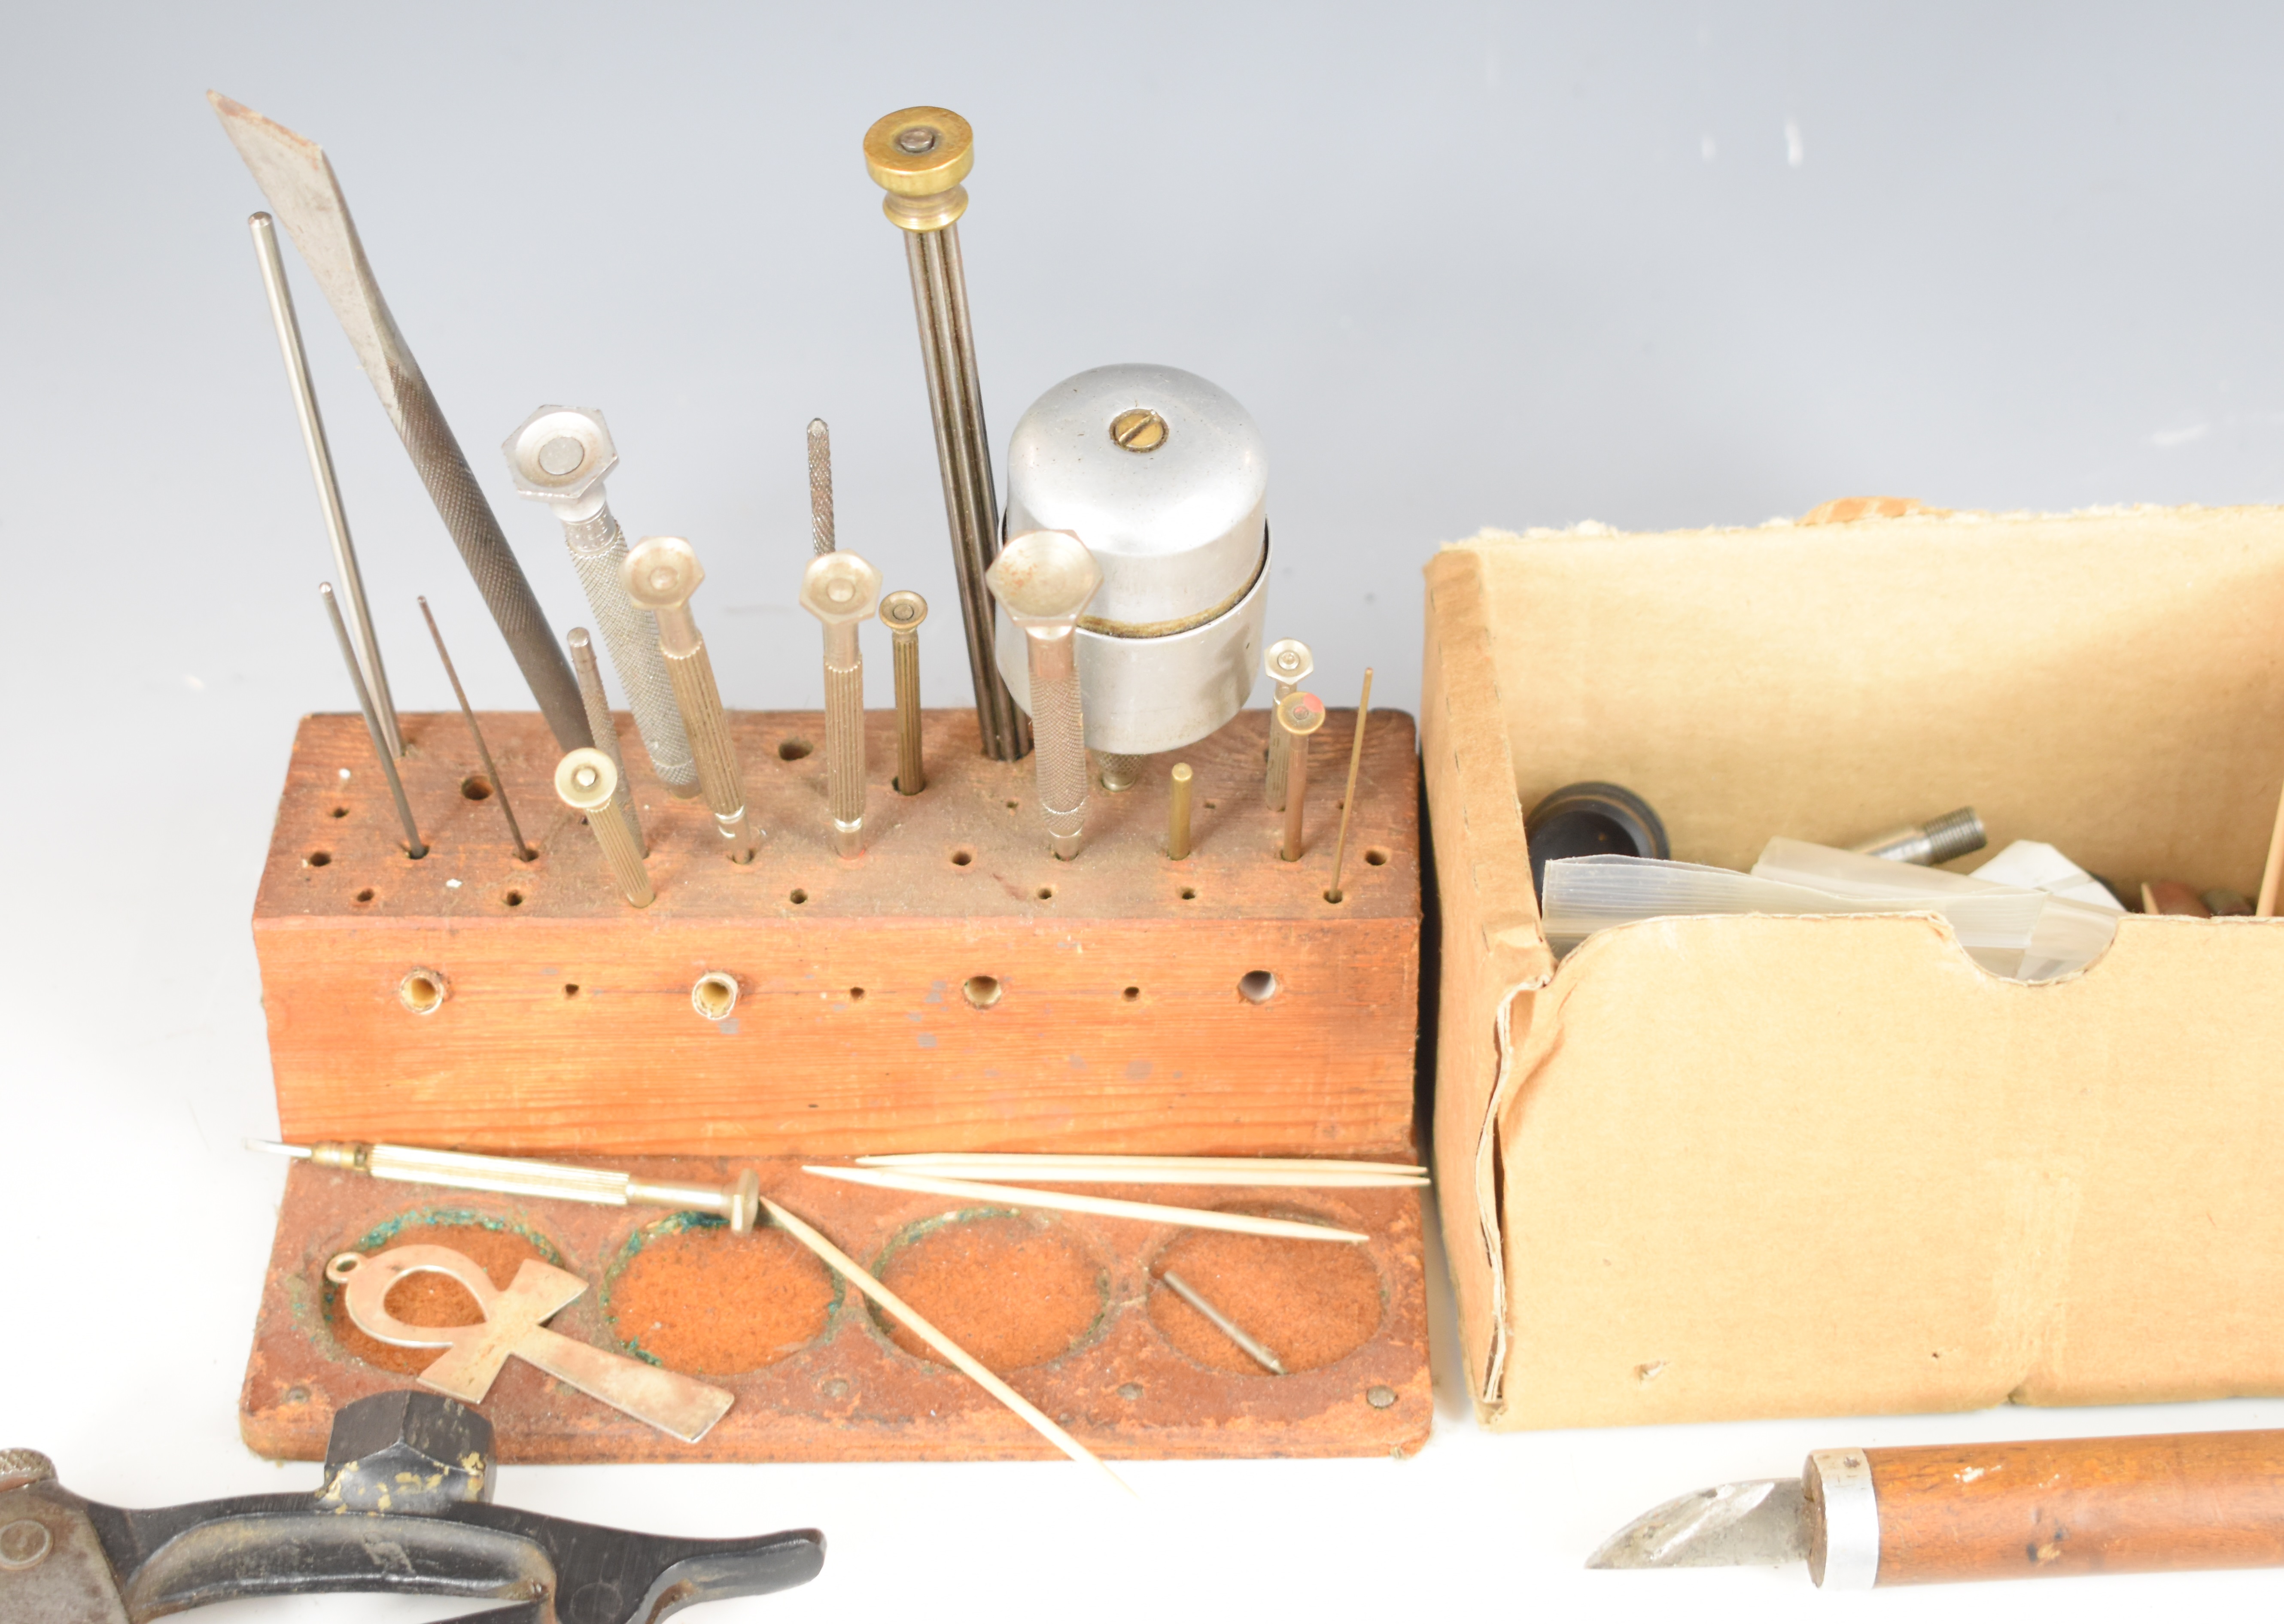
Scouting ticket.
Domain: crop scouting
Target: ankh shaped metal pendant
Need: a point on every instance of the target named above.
(513, 1324)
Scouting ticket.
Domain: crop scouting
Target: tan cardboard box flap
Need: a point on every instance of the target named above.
(1727, 1167)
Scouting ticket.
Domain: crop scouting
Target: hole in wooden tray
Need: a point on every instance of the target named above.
(1189, 894)
(570, 989)
(1046, 893)
(365, 895)
(1131, 995)
(1309, 1303)
(475, 786)
(317, 860)
(513, 899)
(961, 858)
(796, 896)
(692, 1294)
(497, 1247)
(982, 990)
(855, 995)
(1013, 1289)
(1011, 806)
(1376, 856)
(1257, 986)
(793, 749)
(339, 812)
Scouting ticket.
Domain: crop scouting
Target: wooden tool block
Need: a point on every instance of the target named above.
(1059, 1304)
(954, 988)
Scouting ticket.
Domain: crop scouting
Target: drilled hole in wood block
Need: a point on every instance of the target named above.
(339, 812)
(793, 749)
(855, 995)
(1375, 855)
(715, 994)
(1189, 894)
(317, 860)
(1131, 995)
(961, 858)
(1014, 1290)
(1046, 893)
(1308, 1303)
(422, 991)
(476, 787)
(570, 989)
(497, 1248)
(689, 1294)
(364, 895)
(982, 991)
(1257, 986)
(512, 898)
(796, 896)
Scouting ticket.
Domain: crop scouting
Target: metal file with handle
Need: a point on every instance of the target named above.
(1861, 1518)
(295, 177)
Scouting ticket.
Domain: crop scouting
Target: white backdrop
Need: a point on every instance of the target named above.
(1467, 265)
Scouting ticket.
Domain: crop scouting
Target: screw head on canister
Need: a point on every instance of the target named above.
(586, 779)
(919, 156)
(1138, 429)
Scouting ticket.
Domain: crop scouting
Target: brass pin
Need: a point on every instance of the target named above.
(587, 780)
(902, 613)
(1177, 815)
(523, 852)
(1298, 716)
(1347, 801)
(589, 674)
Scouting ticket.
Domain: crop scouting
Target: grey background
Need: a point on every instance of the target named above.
(1656, 266)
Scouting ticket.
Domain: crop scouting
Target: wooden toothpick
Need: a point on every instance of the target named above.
(862, 1278)
(1101, 1207)
(1348, 802)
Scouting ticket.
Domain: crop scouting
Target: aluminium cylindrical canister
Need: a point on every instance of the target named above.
(1164, 476)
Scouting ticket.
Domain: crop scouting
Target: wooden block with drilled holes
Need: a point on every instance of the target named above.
(954, 988)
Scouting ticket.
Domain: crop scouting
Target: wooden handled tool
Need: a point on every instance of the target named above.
(1994, 1510)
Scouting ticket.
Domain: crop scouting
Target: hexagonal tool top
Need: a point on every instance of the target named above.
(294, 174)
(560, 454)
(405, 1510)
(1044, 580)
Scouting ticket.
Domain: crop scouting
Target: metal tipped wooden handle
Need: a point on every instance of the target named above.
(2018, 1511)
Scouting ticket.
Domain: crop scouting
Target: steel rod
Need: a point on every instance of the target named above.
(414, 845)
(321, 469)
(523, 851)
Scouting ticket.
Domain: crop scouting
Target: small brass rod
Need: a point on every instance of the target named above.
(1177, 814)
(1347, 801)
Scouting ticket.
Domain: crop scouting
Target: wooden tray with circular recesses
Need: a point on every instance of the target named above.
(1062, 1304)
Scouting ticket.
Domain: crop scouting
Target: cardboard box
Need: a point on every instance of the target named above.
(1713, 1168)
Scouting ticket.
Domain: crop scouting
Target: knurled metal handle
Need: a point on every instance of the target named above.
(694, 690)
(1059, 740)
(912, 772)
(622, 849)
(599, 553)
(1280, 756)
(844, 739)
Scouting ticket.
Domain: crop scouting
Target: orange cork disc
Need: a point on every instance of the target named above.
(703, 1300)
(1011, 1290)
(1308, 1302)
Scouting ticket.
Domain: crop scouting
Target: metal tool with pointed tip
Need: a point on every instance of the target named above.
(820, 487)
(1288, 663)
(588, 781)
(1044, 579)
(1861, 1518)
(904, 613)
(737, 1201)
(294, 174)
(918, 157)
(840, 589)
(561, 455)
(1937, 841)
(321, 469)
(660, 575)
